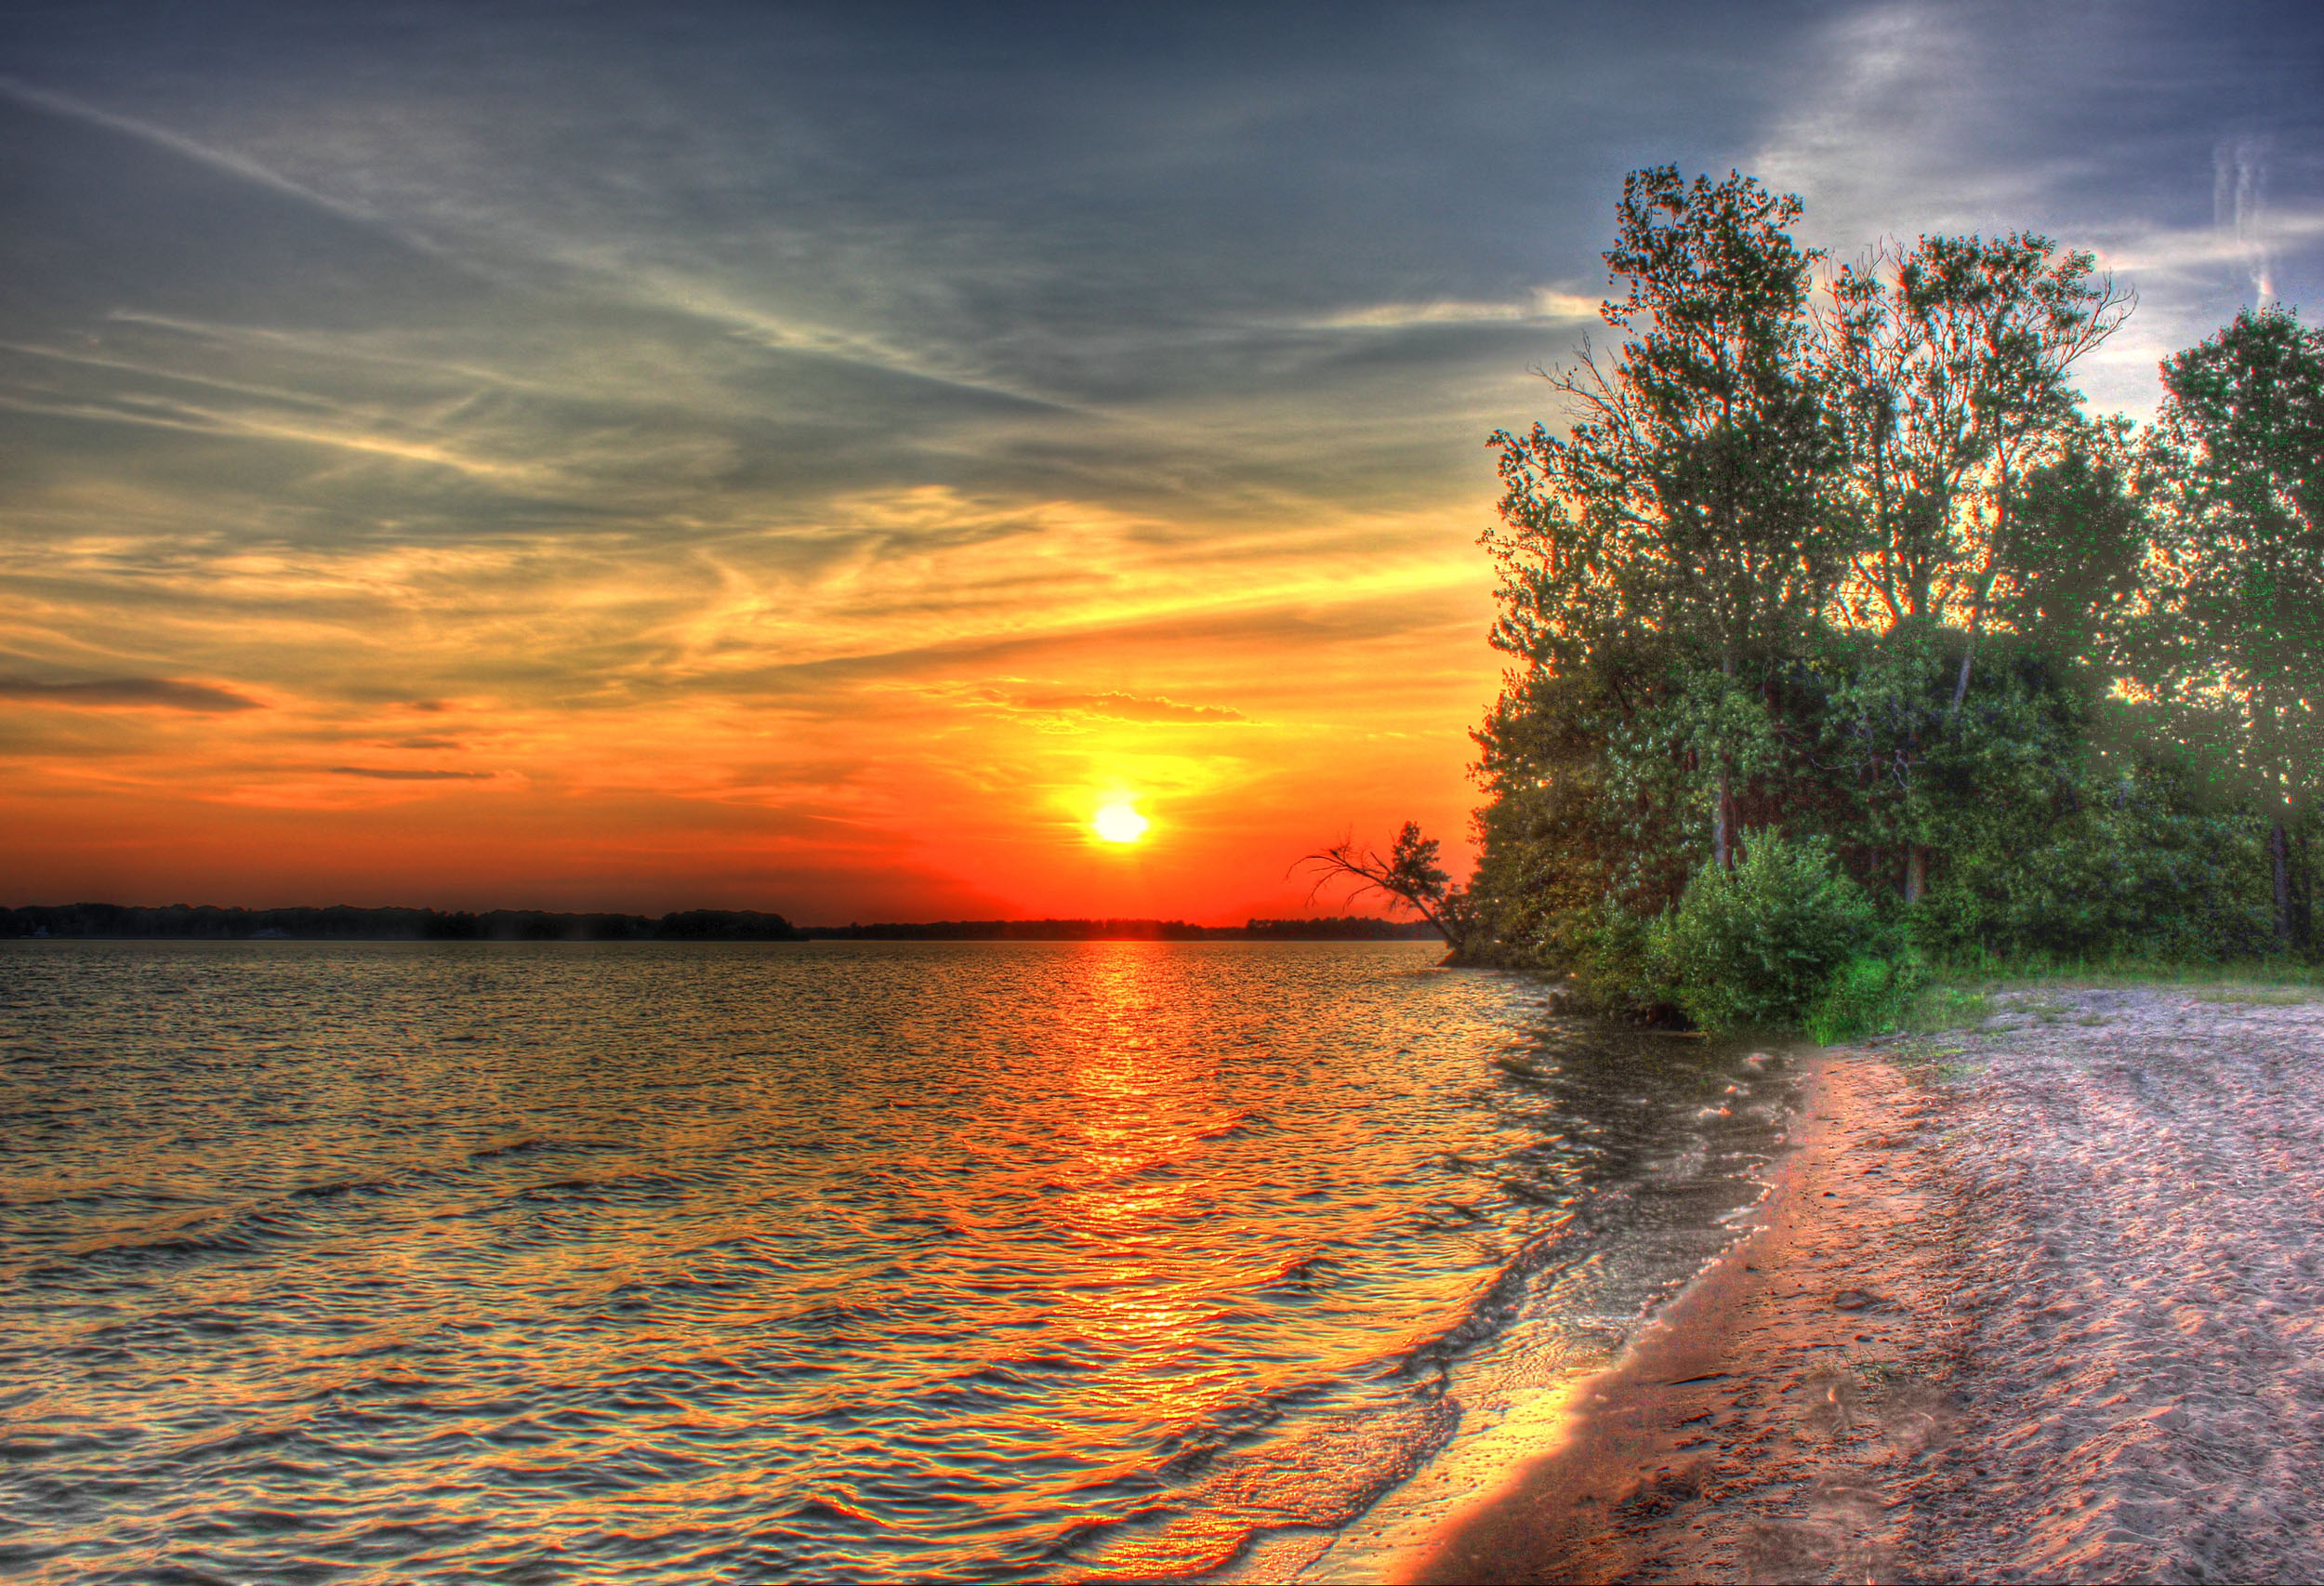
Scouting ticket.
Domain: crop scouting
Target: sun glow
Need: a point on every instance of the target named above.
(1119, 822)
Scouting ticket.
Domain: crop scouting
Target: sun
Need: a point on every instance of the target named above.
(1119, 822)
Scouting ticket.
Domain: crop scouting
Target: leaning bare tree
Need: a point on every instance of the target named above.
(1409, 873)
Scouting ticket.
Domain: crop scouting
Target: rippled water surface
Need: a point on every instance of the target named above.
(860, 1261)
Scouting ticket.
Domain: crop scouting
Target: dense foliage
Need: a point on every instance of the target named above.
(1842, 633)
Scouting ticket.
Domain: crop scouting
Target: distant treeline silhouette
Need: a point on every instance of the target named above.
(183, 921)
(345, 924)
(1331, 929)
(1350, 928)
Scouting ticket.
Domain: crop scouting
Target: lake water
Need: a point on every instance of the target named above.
(857, 1262)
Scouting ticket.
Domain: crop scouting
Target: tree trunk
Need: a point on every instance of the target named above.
(1916, 873)
(1984, 592)
(1969, 651)
(2304, 900)
(2279, 850)
(1917, 864)
(1723, 824)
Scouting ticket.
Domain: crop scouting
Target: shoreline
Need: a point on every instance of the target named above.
(1682, 1461)
(2038, 1301)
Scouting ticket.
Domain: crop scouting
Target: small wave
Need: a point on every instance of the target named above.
(1303, 1274)
(67, 1192)
(833, 1317)
(239, 1228)
(507, 1146)
(1452, 1214)
(1533, 1192)
(244, 1437)
(37, 1444)
(1316, 1478)
(330, 1189)
(598, 1188)
(372, 1384)
(1070, 1541)
(269, 1522)
(996, 1373)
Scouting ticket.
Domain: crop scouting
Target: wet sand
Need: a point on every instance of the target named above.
(2039, 1302)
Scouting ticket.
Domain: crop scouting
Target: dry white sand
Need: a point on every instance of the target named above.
(2142, 1394)
(2040, 1301)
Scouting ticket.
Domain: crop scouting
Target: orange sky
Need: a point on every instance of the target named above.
(774, 749)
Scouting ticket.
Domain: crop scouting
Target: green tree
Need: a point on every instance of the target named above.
(1761, 943)
(2076, 544)
(1687, 499)
(1873, 588)
(2236, 469)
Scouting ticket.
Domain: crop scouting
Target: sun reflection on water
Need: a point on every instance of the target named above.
(854, 1262)
(1140, 1108)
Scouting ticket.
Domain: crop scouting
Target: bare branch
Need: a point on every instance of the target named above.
(1408, 875)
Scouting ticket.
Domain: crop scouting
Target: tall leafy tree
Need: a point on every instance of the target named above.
(1948, 367)
(1688, 498)
(2238, 460)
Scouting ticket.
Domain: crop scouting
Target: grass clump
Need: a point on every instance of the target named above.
(2259, 996)
(1943, 1006)
(2035, 972)
(1960, 995)
(1868, 996)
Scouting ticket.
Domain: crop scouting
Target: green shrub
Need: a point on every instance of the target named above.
(1614, 966)
(1761, 943)
(1868, 996)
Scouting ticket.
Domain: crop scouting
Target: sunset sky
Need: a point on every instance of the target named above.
(812, 459)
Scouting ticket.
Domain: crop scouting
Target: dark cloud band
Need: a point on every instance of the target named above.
(397, 774)
(161, 693)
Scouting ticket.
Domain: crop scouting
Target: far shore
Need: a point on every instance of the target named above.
(172, 922)
(2036, 1302)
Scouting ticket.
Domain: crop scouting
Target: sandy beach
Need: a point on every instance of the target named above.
(2038, 1301)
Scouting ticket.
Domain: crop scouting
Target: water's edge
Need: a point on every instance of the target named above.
(1511, 1429)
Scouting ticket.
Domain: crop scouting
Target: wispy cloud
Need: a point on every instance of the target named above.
(160, 694)
(1118, 707)
(2239, 208)
(1542, 306)
(401, 773)
(232, 164)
